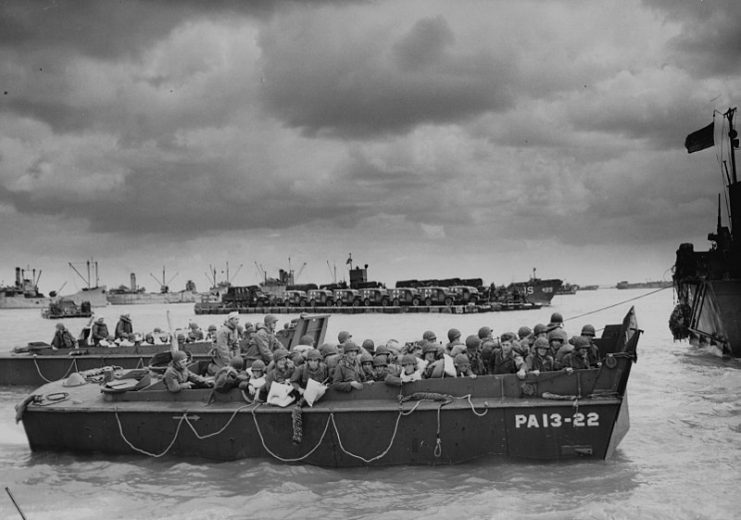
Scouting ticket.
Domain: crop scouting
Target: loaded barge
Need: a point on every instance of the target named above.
(38, 363)
(551, 416)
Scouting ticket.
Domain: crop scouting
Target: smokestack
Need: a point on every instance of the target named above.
(18, 277)
(133, 282)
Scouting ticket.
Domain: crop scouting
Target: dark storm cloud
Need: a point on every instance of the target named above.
(709, 42)
(110, 28)
(369, 86)
(175, 200)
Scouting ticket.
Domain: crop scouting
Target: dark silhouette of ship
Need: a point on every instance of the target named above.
(708, 283)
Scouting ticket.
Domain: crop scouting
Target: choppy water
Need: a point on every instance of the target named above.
(680, 459)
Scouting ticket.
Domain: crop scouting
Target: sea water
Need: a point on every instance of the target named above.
(680, 459)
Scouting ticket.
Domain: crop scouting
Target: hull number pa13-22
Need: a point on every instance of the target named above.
(555, 420)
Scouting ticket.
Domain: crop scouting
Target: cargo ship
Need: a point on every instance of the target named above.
(135, 295)
(25, 294)
(708, 283)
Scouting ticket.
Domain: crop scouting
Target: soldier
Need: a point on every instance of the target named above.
(314, 369)
(99, 332)
(473, 343)
(556, 340)
(124, 328)
(539, 359)
(463, 366)
(256, 381)
(211, 333)
(178, 377)
(454, 338)
(595, 358)
(368, 346)
(409, 372)
(342, 337)
(578, 358)
(230, 376)
(507, 361)
(348, 374)
(331, 356)
(281, 371)
(366, 365)
(265, 338)
(226, 345)
(63, 338)
(194, 332)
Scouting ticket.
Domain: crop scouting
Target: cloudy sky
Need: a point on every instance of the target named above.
(428, 138)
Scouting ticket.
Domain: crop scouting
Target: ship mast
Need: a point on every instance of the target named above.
(734, 188)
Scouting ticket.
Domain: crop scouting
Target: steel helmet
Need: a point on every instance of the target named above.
(258, 364)
(350, 346)
(429, 336)
(179, 355)
(484, 332)
(473, 342)
(461, 360)
(524, 332)
(313, 354)
(541, 343)
(369, 345)
(279, 354)
(366, 358)
(588, 330)
(558, 334)
(453, 334)
(343, 336)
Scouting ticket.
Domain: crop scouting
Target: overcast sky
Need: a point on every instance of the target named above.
(428, 138)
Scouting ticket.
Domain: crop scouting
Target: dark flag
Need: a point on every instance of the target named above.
(700, 139)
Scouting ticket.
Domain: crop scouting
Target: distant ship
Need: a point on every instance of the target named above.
(25, 294)
(588, 287)
(567, 289)
(135, 295)
(708, 283)
(537, 290)
(644, 285)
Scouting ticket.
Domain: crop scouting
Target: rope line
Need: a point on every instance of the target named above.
(380, 455)
(206, 436)
(283, 459)
(615, 304)
(66, 374)
(144, 452)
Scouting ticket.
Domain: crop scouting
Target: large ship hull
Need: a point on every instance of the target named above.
(715, 313)
(158, 298)
(23, 302)
(550, 416)
(96, 296)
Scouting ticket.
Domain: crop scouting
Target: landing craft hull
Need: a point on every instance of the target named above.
(337, 435)
(716, 313)
(552, 416)
(538, 291)
(27, 369)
